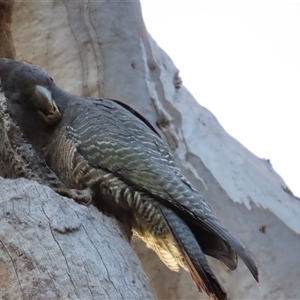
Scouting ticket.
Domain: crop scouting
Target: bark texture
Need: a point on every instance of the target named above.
(7, 48)
(103, 49)
(53, 249)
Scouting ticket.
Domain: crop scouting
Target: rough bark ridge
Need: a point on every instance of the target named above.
(53, 249)
(103, 48)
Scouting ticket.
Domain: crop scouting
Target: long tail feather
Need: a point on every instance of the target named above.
(193, 256)
(218, 229)
(211, 224)
(215, 247)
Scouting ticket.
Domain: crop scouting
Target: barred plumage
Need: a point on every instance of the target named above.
(106, 146)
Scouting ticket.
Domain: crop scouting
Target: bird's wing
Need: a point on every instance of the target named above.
(137, 114)
(112, 138)
(127, 107)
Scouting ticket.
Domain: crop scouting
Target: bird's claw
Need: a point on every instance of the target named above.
(84, 197)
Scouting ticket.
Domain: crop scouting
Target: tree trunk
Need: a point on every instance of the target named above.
(7, 48)
(103, 49)
(52, 248)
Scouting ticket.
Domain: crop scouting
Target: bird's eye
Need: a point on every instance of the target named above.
(52, 79)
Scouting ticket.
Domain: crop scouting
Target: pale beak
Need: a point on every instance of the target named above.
(46, 106)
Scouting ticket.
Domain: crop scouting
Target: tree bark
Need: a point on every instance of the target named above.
(7, 48)
(52, 248)
(103, 49)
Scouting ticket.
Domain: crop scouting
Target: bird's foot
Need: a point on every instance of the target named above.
(84, 197)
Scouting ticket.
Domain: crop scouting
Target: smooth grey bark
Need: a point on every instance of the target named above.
(103, 49)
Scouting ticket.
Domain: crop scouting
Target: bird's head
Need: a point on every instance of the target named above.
(30, 87)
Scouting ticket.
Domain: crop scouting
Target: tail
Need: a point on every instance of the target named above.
(221, 232)
(215, 247)
(213, 238)
(193, 256)
(216, 241)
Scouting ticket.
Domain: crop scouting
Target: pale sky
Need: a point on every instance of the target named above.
(241, 60)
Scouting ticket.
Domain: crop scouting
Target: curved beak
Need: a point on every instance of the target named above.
(46, 106)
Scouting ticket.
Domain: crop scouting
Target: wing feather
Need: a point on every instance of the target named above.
(137, 154)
